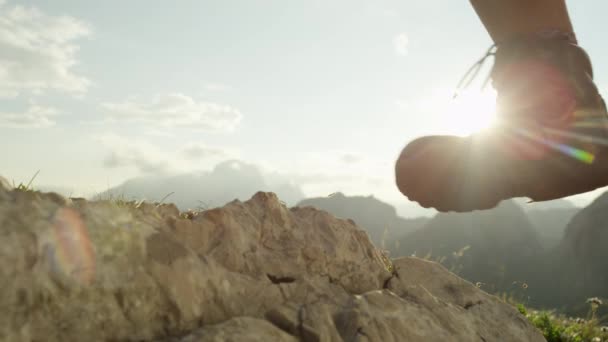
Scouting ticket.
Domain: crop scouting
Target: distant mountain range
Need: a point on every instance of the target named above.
(379, 219)
(549, 219)
(528, 205)
(387, 229)
(229, 180)
(550, 224)
(582, 256)
(489, 247)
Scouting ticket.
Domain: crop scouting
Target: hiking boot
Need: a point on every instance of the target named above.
(550, 140)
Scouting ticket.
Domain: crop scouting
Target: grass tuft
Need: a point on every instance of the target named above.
(559, 328)
(26, 187)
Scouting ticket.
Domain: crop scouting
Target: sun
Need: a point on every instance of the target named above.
(469, 112)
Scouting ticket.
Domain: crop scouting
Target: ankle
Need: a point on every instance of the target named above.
(506, 19)
(569, 36)
(544, 35)
(551, 46)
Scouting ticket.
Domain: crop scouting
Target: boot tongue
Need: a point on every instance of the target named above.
(532, 89)
(535, 78)
(535, 90)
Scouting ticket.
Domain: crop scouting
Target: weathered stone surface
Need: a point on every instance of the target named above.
(460, 306)
(4, 184)
(241, 329)
(262, 236)
(74, 270)
(421, 302)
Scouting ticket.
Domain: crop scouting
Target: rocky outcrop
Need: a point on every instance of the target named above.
(73, 270)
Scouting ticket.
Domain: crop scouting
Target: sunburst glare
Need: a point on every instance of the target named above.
(468, 113)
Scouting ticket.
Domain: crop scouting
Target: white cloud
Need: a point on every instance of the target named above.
(217, 87)
(154, 132)
(176, 110)
(350, 158)
(320, 173)
(34, 117)
(150, 158)
(403, 104)
(38, 53)
(401, 43)
(321, 178)
(325, 172)
(8, 93)
(389, 13)
(194, 151)
(133, 152)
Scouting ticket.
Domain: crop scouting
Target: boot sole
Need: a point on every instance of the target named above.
(479, 184)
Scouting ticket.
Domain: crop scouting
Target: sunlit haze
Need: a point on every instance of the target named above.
(469, 112)
(321, 95)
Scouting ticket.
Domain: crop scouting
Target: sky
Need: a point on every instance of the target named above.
(324, 93)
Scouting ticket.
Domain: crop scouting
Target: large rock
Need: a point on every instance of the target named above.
(241, 329)
(72, 270)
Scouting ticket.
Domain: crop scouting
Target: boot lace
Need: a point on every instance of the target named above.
(473, 71)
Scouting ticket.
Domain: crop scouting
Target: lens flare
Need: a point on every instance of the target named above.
(576, 153)
(71, 252)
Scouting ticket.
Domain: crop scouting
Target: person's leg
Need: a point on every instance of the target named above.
(552, 137)
(506, 19)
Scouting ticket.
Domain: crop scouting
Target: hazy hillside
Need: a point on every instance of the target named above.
(379, 219)
(493, 247)
(560, 203)
(550, 224)
(582, 257)
(549, 218)
(587, 233)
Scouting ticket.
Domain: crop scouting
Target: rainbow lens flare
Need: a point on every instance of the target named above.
(576, 153)
(71, 252)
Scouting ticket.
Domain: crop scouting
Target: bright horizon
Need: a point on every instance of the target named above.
(323, 94)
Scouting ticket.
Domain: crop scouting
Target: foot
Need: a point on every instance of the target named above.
(551, 139)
